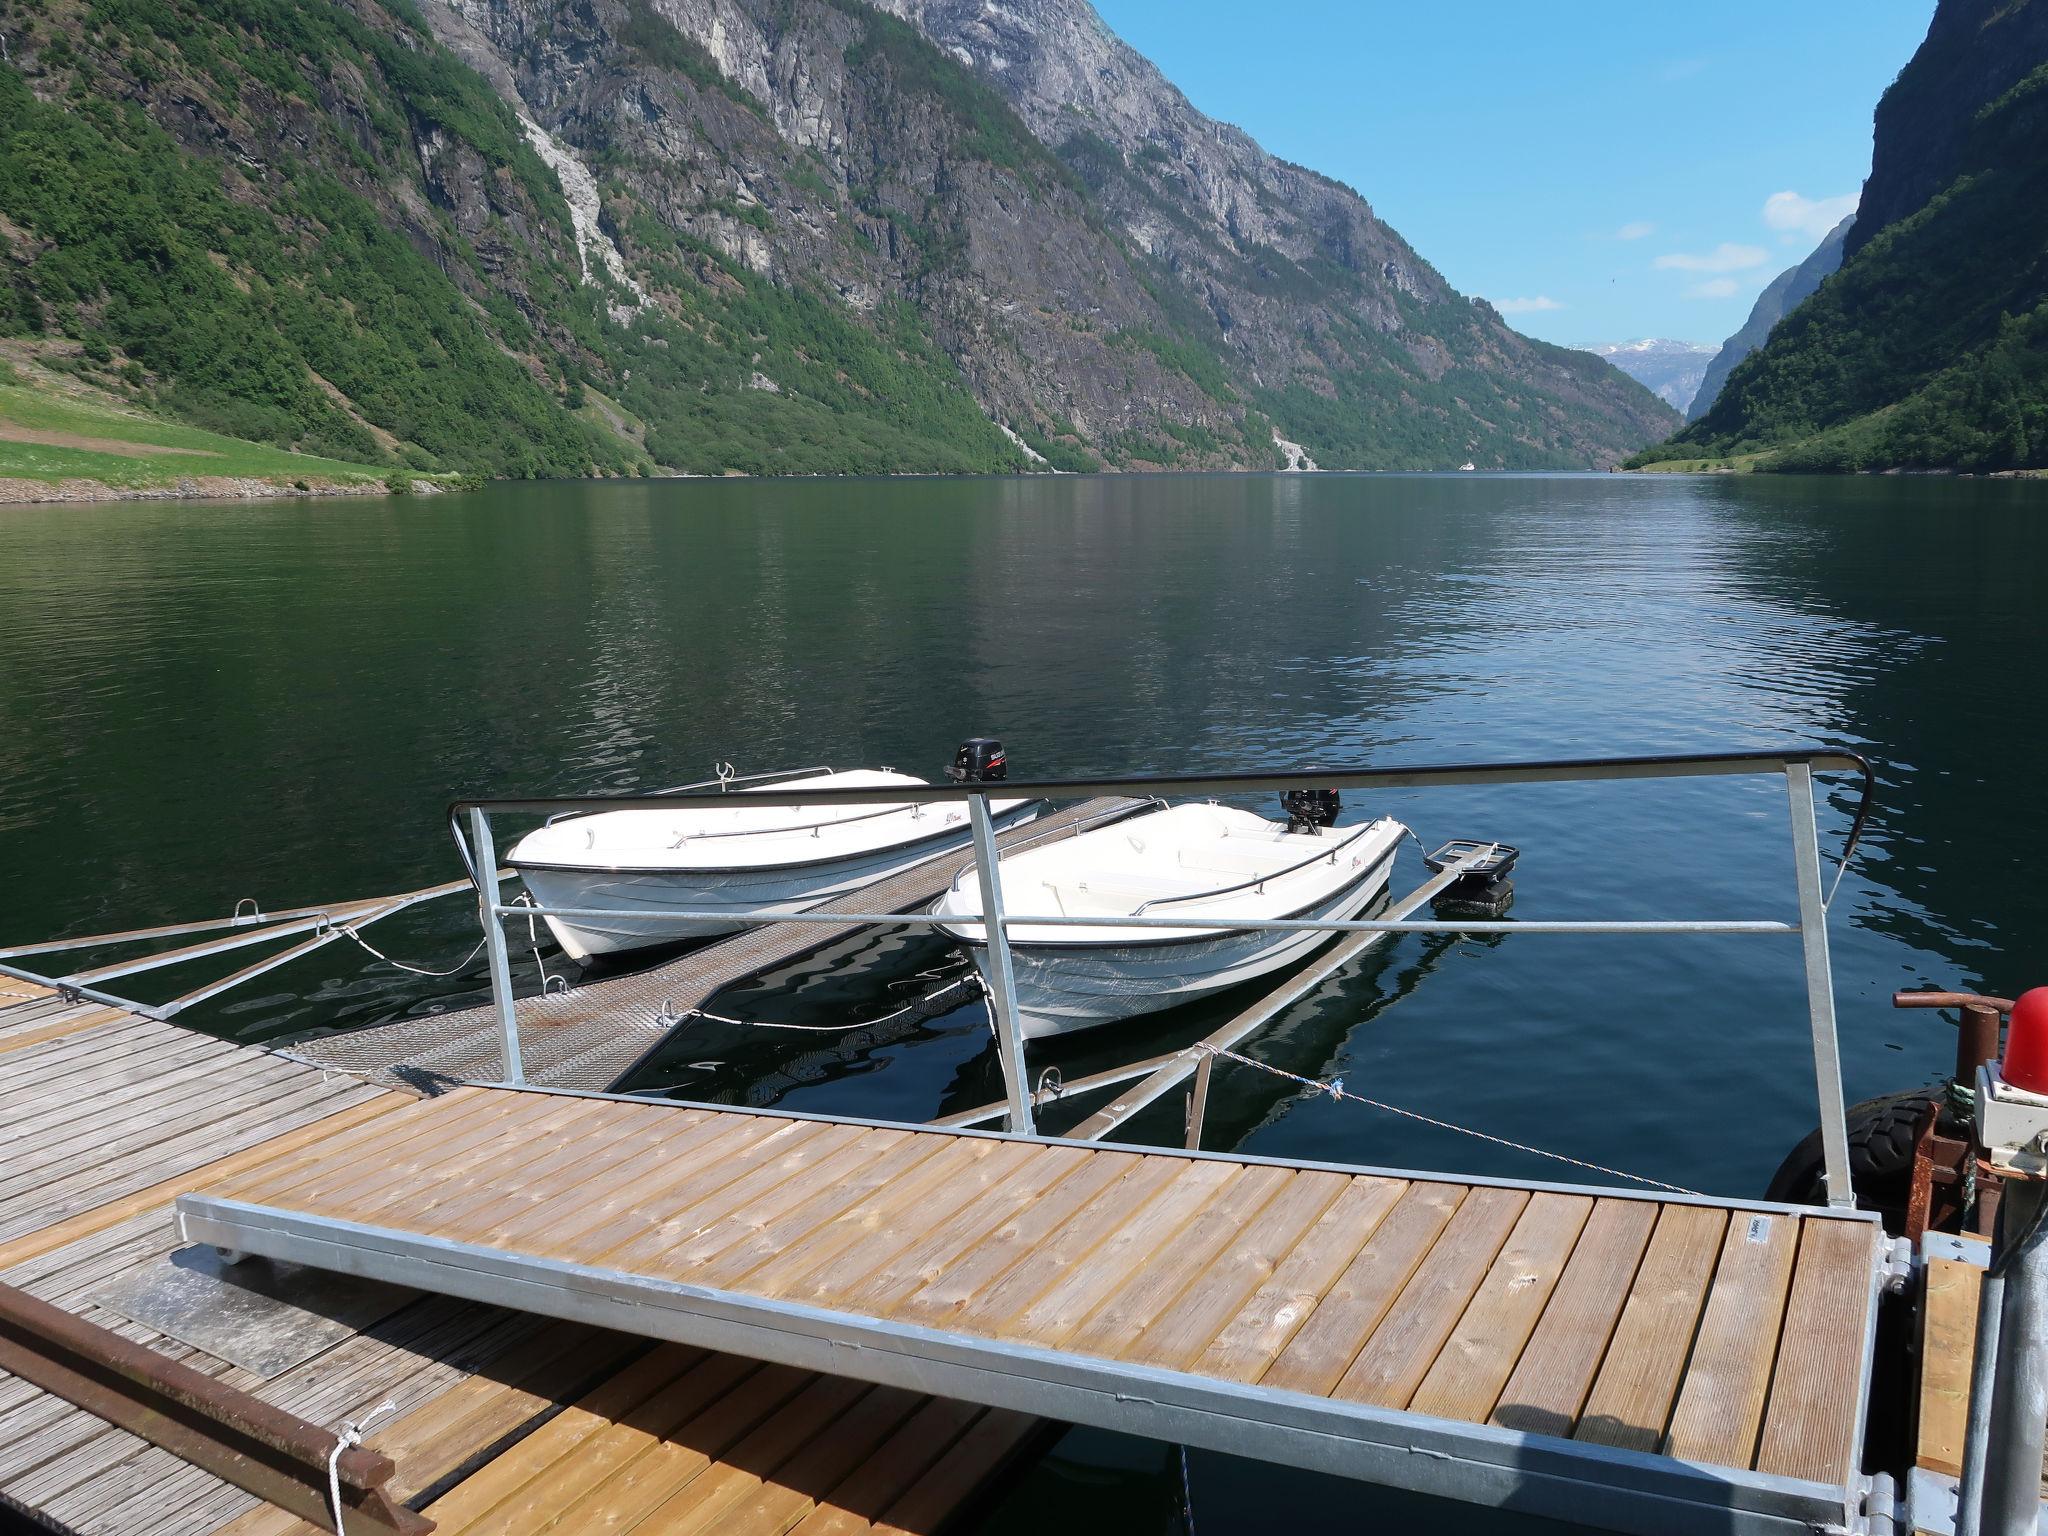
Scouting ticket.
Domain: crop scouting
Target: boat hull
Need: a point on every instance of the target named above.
(1063, 988)
(639, 904)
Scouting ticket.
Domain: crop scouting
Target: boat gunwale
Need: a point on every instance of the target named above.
(962, 830)
(1190, 936)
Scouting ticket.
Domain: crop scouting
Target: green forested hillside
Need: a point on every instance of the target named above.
(319, 291)
(570, 237)
(1929, 348)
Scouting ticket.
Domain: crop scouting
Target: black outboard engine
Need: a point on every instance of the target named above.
(1310, 810)
(979, 760)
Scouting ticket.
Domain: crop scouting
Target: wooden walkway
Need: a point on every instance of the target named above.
(594, 1034)
(106, 1116)
(1717, 1333)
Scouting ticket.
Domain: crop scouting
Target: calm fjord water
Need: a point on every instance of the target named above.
(202, 703)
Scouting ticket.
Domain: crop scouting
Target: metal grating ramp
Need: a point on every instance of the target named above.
(1637, 1363)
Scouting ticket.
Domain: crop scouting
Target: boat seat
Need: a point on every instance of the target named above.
(1242, 865)
(1100, 896)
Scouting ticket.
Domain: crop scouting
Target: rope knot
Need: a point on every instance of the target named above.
(347, 1438)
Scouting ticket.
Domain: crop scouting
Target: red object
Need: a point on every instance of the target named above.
(2026, 1043)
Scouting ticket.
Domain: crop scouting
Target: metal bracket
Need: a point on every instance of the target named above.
(1898, 1265)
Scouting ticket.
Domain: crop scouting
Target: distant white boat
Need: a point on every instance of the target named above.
(1197, 860)
(1467, 466)
(639, 866)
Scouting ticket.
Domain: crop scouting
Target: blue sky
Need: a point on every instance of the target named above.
(1600, 170)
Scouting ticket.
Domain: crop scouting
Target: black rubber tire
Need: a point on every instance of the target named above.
(1880, 1157)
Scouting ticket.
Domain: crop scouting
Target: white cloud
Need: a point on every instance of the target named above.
(1635, 230)
(1713, 288)
(1526, 306)
(1812, 217)
(1724, 257)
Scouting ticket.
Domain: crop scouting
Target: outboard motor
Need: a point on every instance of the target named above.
(979, 760)
(1310, 810)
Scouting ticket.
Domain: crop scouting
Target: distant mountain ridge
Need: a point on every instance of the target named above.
(1672, 370)
(600, 236)
(1785, 293)
(1928, 348)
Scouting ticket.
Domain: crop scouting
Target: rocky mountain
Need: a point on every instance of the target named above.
(1786, 292)
(1669, 369)
(1928, 348)
(575, 236)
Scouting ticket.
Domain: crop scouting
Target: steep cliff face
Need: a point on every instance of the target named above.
(1975, 51)
(757, 235)
(1325, 313)
(1929, 347)
(1786, 292)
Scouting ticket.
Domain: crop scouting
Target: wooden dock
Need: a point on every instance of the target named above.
(107, 1116)
(1140, 1290)
(593, 1035)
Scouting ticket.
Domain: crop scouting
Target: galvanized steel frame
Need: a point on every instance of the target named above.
(1530, 1473)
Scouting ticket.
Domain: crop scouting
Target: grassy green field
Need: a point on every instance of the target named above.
(50, 435)
(1736, 464)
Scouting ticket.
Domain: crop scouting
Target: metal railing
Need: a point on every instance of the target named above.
(1796, 765)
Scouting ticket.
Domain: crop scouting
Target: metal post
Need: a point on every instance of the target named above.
(2017, 1425)
(1820, 987)
(1002, 986)
(1198, 1102)
(1983, 1371)
(486, 855)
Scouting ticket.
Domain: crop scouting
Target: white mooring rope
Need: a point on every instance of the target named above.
(1336, 1090)
(458, 967)
(347, 1437)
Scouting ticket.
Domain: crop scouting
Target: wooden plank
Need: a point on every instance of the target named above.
(994, 1441)
(1181, 1265)
(1183, 1328)
(789, 1173)
(1948, 1346)
(56, 1029)
(1721, 1406)
(808, 1476)
(436, 1151)
(1465, 1380)
(727, 1249)
(1344, 1317)
(314, 1133)
(14, 990)
(826, 1407)
(1548, 1387)
(602, 1219)
(879, 1271)
(1157, 1227)
(1109, 1182)
(1257, 1332)
(1407, 1341)
(375, 1154)
(1056, 1253)
(1815, 1409)
(902, 1206)
(477, 1495)
(706, 1409)
(570, 1164)
(1632, 1397)
(902, 1460)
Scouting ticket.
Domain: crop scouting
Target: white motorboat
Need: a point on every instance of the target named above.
(646, 864)
(1198, 860)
